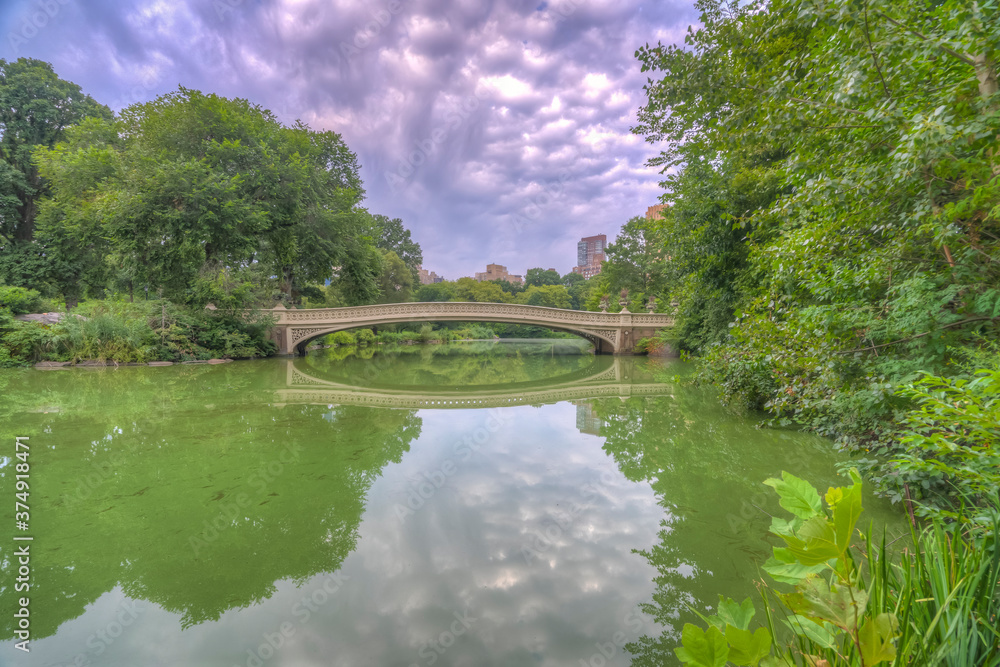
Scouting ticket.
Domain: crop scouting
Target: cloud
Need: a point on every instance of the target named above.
(461, 111)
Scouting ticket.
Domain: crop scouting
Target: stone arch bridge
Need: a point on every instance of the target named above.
(611, 333)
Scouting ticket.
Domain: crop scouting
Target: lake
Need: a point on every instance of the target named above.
(492, 503)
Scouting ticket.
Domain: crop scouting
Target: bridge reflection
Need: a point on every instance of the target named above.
(608, 377)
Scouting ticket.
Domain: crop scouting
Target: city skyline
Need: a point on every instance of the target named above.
(503, 126)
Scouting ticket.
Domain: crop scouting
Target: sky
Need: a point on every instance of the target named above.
(497, 130)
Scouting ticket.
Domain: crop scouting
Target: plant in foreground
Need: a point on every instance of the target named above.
(850, 604)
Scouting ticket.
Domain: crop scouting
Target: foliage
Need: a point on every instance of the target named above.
(36, 107)
(936, 605)
(392, 236)
(442, 291)
(539, 277)
(19, 300)
(178, 191)
(950, 443)
(396, 279)
(341, 338)
(551, 296)
(365, 336)
(635, 261)
(833, 226)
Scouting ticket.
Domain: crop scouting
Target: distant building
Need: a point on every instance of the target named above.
(428, 277)
(654, 211)
(499, 272)
(590, 255)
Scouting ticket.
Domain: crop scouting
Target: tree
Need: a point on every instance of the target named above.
(636, 260)
(443, 291)
(551, 296)
(835, 196)
(396, 279)
(190, 190)
(509, 287)
(36, 108)
(541, 277)
(393, 236)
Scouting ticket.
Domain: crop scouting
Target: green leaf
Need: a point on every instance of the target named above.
(738, 615)
(784, 567)
(796, 495)
(701, 648)
(876, 637)
(746, 648)
(815, 543)
(845, 504)
(841, 605)
(815, 632)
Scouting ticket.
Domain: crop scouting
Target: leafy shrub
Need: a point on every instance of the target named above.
(108, 334)
(481, 332)
(342, 338)
(20, 300)
(951, 442)
(934, 605)
(365, 336)
(744, 378)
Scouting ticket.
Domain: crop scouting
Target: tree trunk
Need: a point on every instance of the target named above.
(986, 72)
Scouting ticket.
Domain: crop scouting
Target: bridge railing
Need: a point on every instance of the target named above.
(453, 309)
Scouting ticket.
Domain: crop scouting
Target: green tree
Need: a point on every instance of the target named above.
(36, 108)
(636, 260)
(392, 235)
(396, 279)
(540, 277)
(833, 173)
(191, 194)
(442, 291)
(552, 296)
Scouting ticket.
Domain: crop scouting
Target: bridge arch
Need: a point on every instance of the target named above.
(614, 333)
(300, 346)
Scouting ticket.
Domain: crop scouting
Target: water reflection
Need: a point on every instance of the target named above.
(422, 514)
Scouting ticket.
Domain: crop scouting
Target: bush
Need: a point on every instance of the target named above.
(20, 300)
(365, 336)
(744, 379)
(936, 604)
(107, 334)
(342, 338)
(950, 441)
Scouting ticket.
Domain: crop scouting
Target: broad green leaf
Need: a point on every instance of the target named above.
(783, 567)
(702, 648)
(782, 527)
(738, 615)
(876, 637)
(818, 633)
(845, 504)
(796, 495)
(815, 543)
(748, 648)
(841, 605)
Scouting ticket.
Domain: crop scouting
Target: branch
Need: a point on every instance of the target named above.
(920, 335)
(812, 102)
(961, 56)
(871, 49)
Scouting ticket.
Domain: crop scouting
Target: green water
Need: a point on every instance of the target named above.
(467, 504)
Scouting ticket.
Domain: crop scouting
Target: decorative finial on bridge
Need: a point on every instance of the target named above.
(651, 305)
(623, 301)
(605, 301)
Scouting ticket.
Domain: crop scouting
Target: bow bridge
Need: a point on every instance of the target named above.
(611, 333)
